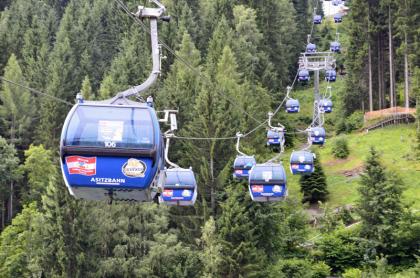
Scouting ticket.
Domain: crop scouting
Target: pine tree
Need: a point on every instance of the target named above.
(314, 186)
(211, 255)
(86, 90)
(380, 204)
(38, 168)
(236, 231)
(182, 84)
(15, 244)
(8, 175)
(16, 107)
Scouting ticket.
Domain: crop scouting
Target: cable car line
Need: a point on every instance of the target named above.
(36, 91)
(184, 61)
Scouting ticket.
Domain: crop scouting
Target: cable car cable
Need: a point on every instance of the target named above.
(184, 61)
(36, 91)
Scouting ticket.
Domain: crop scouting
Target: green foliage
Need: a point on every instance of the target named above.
(314, 186)
(8, 170)
(351, 123)
(340, 148)
(293, 268)
(15, 244)
(39, 168)
(341, 249)
(320, 270)
(86, 89)
(212, 250)
(352, 273)
(238, 238)
(16, 108)
(380, 204)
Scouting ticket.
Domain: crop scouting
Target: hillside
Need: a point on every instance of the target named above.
(394, 143)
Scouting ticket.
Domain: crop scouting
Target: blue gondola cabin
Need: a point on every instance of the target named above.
(301, 162)
(330, 75)
(325, 106)
(303, 75)
(317, 19)
(112, 150)
(292, 106)
(311, 48)
(267, 182)
(180, 187)
(338, 18)
(242, 165)
(317, 135)
(275, 138)
(335, 47)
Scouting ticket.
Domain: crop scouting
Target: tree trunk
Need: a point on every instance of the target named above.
(3, 209)
(380, 88)
(406, 77)
(391, 62)
(370, 79)
(212, 189)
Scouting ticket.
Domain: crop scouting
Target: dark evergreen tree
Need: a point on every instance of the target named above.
(16, 107)
(314, 186)
(380, 204)
(241, 257)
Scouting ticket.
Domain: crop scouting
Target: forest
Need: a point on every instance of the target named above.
(225, 65)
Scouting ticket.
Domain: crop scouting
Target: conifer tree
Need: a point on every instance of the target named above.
(8, 175)
(211, 255)
(38, 169)
(182, 84)
(16, 107)
(86, 90)
(314, 186)
(15, 244)
(380, 204)
(239, 251)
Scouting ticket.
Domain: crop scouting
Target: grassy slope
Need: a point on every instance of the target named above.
(394, 143)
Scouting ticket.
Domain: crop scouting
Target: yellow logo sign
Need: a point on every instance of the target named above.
(134, 168)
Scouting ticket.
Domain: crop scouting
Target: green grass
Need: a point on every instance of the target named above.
(394, 143)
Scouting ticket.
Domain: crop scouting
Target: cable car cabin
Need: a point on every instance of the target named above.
(242, 165)
(292, 106)
(330, 75)
(303, 75)
(112, 151)
(338, 18)
(317, 19)
(180, 187)
(311, 48)
(267, 182)
(335, 47)
(301, 162)
(325, 106)
(275, 138)
(317, 135)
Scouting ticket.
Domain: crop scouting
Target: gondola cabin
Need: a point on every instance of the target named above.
(303, 75)
(335, 47)
(180, 187)
(267, 182)
(330, 75)
(338, 18)
(325, 106)
(317, 19)
(275, 138)
(311, 48)
(301, 162)
(242, 165)
(317, 135)
(292, 106)
(113, 151)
